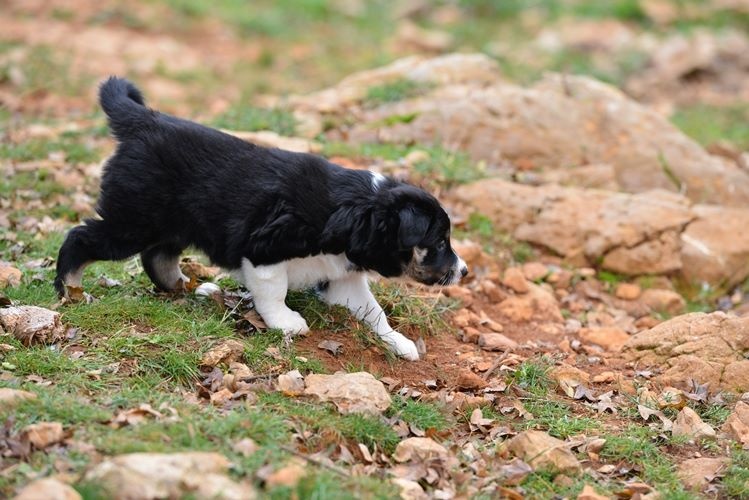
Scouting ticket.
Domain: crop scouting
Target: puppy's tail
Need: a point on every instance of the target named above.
(124, 105)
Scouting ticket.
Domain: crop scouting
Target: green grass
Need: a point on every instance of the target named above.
(711, 124)
(422, 415)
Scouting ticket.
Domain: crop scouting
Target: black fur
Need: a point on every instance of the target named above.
(173, 183)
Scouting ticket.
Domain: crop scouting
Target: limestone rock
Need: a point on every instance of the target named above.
(540, 451)
(632, 234)
(515, 280)
(496, 342)
(419, 448)
(11, 397)
(695, 346)
(351, 392)
(689, 424)
(610, 338)
(32, 324)
(168, 475)
(47, 489)
(663, 301)
(536, 305)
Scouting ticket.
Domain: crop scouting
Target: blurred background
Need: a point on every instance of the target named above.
(689, 59)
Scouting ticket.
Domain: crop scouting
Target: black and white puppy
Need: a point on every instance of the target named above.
(277, 220)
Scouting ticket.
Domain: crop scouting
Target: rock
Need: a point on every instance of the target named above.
(419, 448)
(704, 347)
(291, 383)
(696, 473)
(536, 305)
(410, 36)
(631, 234)
(568, 378)
(496, 342)
(628, 291)
(47, 489)
(409, 490)
(689, 424)
(11, 397)
(537, 127)
(448, 69)
(9, 275)
(589, 493)
(245, 447)
(351, 392)
(515, 280)
(542, 451)
(43, 434)
(228, 351)
(469, 381)
(535, 271)
(736, 426)
(663, 301)
(610, 338)
(471, 335)
(168, 475)
(715, 247)
(207, 289)
(289, 475)
(32, 324)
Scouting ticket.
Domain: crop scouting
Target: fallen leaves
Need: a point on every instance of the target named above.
(11, 397)
(43, 434)
(136, 416)
(331, 346)
(419, 448)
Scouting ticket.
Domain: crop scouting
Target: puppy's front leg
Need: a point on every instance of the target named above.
(269, 285)
(353, 292)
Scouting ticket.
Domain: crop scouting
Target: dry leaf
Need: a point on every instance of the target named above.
(227, 351)
(43, 434)
(331, 346)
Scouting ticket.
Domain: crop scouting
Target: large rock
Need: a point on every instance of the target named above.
(696, 473)
(351, 392)
(627, 233)
(706, 347)
(715, 247)
(168, 475)
(561, 121)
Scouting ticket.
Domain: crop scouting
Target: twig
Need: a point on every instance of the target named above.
(316, 461)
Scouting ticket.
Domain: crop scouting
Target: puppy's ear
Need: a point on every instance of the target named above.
(413, 227)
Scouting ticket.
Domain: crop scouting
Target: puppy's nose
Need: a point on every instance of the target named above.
(463, 271)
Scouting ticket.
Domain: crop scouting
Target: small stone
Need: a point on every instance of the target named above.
(245, 447)
(351, 392)
(48, 489)
(736, 426)
(496, 342)
(589, 493)
(461, 293)
(628, 291)
(11, 397)
(469, 381)
(492, 291)
(664, 301)
(515, 280)
(228, 351)
(291, 383)
(542, 451)
(689, 424)
(471, 335)
(535, 271)
(419, 448)
(610, 338)
(9, 275)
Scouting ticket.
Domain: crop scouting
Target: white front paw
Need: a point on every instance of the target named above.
(291, 322)
(400, 345)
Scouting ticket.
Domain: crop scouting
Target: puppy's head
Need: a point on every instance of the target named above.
(423, 237)
(406, 234)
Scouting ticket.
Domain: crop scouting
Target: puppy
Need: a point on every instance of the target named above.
(276, 220)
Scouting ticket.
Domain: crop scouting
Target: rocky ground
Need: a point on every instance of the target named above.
(593, 158)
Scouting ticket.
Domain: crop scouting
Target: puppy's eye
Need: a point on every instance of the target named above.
(441, 245)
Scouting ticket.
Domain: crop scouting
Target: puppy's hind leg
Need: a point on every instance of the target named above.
(269, 285)
(85, 244)
(161, 263)
(353, 292)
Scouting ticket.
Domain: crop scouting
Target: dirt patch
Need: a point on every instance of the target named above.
(445, 357)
